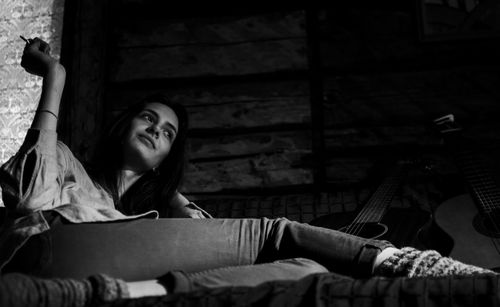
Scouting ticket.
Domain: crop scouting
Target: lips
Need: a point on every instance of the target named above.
(147, 139)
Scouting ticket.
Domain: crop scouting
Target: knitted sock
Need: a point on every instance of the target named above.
(411, 262)
(24, 291)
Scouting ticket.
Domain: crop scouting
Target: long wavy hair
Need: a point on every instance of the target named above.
(156, 188)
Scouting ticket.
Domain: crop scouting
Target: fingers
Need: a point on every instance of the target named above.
(194, 214)
(33, 45)
(44, 47)
(197, 215)
(36, 44)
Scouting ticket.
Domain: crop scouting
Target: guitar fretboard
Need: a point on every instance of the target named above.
(484, 188)
(378, 203)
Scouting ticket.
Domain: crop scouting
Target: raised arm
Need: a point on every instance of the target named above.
(29, 180)
(38, 61)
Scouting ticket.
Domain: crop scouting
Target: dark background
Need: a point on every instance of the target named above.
(294, 111)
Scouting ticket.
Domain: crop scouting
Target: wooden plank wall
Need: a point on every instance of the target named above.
(251, 81)
(242, 81)
(383, 86)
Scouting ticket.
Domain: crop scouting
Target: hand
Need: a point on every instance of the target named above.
(186, 212)
(180, 207)
(36, 57)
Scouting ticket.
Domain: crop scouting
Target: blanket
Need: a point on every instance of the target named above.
(324, 289)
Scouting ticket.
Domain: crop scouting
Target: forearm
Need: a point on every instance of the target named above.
(48, 107)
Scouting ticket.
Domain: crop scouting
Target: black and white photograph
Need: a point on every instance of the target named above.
(249, 155)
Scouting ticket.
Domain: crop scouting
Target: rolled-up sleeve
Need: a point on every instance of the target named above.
(30, 180)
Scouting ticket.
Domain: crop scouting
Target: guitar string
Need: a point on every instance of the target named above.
(487, 200)
(484, 188)
(489, 213)
(472, 169)
(384, 202)
(480, 182)
(481, 187)
(477, 171)
(482, 193)
(354, 227)
(489, 216)
(375, 213)
(380, 199)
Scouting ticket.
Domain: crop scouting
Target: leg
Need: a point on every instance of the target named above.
(241, 276)
(339, 252)
(315, 290)
(145, 249)
(333, 290)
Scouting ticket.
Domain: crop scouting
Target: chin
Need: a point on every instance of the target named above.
(140, 154)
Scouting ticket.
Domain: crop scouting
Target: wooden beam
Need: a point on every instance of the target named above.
(316, 97)
(254, 105)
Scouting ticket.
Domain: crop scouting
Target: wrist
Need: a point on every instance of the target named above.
(55, 77)
(56, 68)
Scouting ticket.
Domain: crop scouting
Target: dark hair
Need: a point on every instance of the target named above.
(155, 189)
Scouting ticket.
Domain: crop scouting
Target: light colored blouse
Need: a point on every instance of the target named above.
(45, 175)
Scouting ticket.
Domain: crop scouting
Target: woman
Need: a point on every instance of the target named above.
(51, 199)
(140, 162)
(138, 168)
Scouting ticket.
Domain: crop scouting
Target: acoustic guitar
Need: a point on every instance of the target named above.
(376, 220)
(472, 220)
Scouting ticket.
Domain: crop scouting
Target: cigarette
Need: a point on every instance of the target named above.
(24, 39)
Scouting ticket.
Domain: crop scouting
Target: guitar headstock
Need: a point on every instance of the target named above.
(449, 130)
(447, 124)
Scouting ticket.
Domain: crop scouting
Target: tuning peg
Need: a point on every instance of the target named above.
(450, 118)
(447, 124)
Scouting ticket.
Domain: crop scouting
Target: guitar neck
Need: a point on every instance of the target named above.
(483, 187)
(377, 205)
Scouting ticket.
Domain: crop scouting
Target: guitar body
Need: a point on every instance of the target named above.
(459, 218)
(400, 226)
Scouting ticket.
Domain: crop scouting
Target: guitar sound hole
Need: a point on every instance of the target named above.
(488, 224)
(366, 230)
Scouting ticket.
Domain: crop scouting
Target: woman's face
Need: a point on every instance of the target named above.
(150, 136)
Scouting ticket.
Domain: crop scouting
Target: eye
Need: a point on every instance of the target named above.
(147, 117)
(167, 133)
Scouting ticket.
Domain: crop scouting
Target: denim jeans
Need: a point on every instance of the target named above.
(146, 249)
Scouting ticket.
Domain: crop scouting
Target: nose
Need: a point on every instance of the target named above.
(153, 130)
